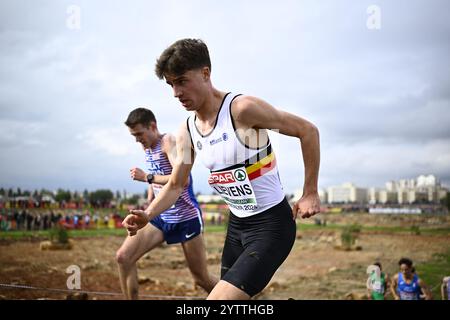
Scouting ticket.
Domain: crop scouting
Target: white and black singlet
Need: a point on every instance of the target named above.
(261, 230)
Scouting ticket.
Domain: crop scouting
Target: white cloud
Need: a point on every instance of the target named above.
(20, 134)
(113, 141)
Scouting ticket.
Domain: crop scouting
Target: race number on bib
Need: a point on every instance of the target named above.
(236, 190)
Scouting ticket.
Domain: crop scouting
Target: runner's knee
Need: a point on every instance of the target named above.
(122, 258)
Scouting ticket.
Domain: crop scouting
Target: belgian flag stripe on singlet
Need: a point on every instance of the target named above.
(262, 166)
(257, 165)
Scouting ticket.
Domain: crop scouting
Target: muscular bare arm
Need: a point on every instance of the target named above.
(251, 112)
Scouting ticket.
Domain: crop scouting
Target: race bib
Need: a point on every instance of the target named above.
(236, 190)
(408, 295)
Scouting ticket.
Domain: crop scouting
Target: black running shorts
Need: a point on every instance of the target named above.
(256, 246)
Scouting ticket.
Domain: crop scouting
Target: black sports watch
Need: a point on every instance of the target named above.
(150, 178)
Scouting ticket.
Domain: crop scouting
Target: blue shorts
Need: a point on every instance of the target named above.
(178, 232)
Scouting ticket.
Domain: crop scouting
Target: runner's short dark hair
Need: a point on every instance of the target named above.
(406, 261)
(140, 116)
(182, 56)
(377, 263)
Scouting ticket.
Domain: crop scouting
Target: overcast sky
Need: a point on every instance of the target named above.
(375, 81)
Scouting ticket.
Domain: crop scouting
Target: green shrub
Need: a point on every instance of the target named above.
(59, 234)
(415, 230)
(349, 235)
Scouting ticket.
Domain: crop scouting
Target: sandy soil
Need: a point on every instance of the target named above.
(315, 269)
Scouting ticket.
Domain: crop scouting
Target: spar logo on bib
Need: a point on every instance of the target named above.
(222, 177)
(227, 177)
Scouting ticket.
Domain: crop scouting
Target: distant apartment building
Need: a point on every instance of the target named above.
(386, 196)
(383, 196)
(429, 180)
(425, 188)
(347, 193)
(373, 194)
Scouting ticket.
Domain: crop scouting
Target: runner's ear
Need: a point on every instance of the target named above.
(206, 73)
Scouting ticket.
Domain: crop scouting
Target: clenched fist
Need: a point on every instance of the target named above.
(138, 174)
(137, 219)
(307, 206)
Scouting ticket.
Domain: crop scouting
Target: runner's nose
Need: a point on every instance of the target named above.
(177, 93)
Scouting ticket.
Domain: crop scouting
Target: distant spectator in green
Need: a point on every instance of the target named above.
(377, 282)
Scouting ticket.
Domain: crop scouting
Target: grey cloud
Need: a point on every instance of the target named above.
(372, 93)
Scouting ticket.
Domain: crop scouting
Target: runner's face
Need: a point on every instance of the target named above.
(405, 270)
(190, 87)
(144, 135)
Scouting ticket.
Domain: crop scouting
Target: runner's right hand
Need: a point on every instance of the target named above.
(137, 219)
(138, 174)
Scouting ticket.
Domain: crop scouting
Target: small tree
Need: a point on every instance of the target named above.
(63, 195)
(101, 197)
(59, 234)
(415, 230)
(349, 235)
